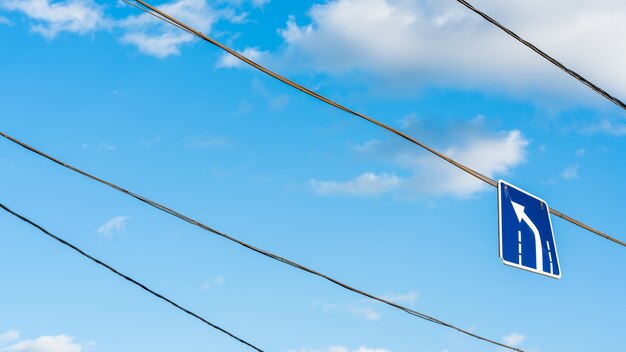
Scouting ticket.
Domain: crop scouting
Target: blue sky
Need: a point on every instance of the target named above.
(105, 88)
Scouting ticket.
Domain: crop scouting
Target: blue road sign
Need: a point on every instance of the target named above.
(525, 237)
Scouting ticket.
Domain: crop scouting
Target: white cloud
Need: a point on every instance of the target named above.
(613, 128)
(279, 103)
(217, 281)
(514, 339)
(444, 43)
(403, 298)
(211, 142)
(325, 306)
(570, 172)
(367, 313)
(260, 3)
(157, 38)
(106, 146)
(102, 146)
(9, 336)
(491, 154)
(338, 348)
(357, 309)
(229, 61)
(59, 343)
(330, 307)
(367, 184)
(581, 152)
(50, 18)
(4, 20)
(113, 226)
(152, 141)
(255, 3)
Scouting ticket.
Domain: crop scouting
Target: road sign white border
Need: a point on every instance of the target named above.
(506, 262)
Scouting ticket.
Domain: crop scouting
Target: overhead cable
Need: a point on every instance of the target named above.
(127, 278)
(552, 60)
(162, 15)
(253, 248)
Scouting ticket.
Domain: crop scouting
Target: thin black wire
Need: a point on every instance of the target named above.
(148, 8)
(251, 247)
(552, 60)
(127, 278)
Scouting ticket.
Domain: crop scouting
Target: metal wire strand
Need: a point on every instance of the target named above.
(328, 101)
(253, 248)
(127, 278)
(552, 60)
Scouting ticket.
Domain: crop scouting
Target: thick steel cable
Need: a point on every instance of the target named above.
(253, 248)
(148, 8)
(127, 278)
(552, 60)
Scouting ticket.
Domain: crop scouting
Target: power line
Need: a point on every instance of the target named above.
(127, 278)
(253, 248)
(150, 9)
(552, 60)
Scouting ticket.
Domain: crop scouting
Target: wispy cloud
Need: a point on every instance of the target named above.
(157, 38)
(102, 146)
(229, 61)
(148, 34)
(491, 153)
(255, 3)
(367, 313)
(260, 3)
(359, 309)
(514, 339)
(363, 309)
(51, 18)
(160, 39)
(570, 172)
(325, 306)
(106, 146)
(9, 336)
(366, 184)
(152, 141)
(444, 44)
(217, 281)
(113, 226)
(338, 348)
(6, 21)
(279, 103)
(403, 298)
(58, 343)
(610, 127)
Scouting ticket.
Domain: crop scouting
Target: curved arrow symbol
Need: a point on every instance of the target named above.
(522, 216)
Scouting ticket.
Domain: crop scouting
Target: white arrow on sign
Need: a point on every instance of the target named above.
(521, 215)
